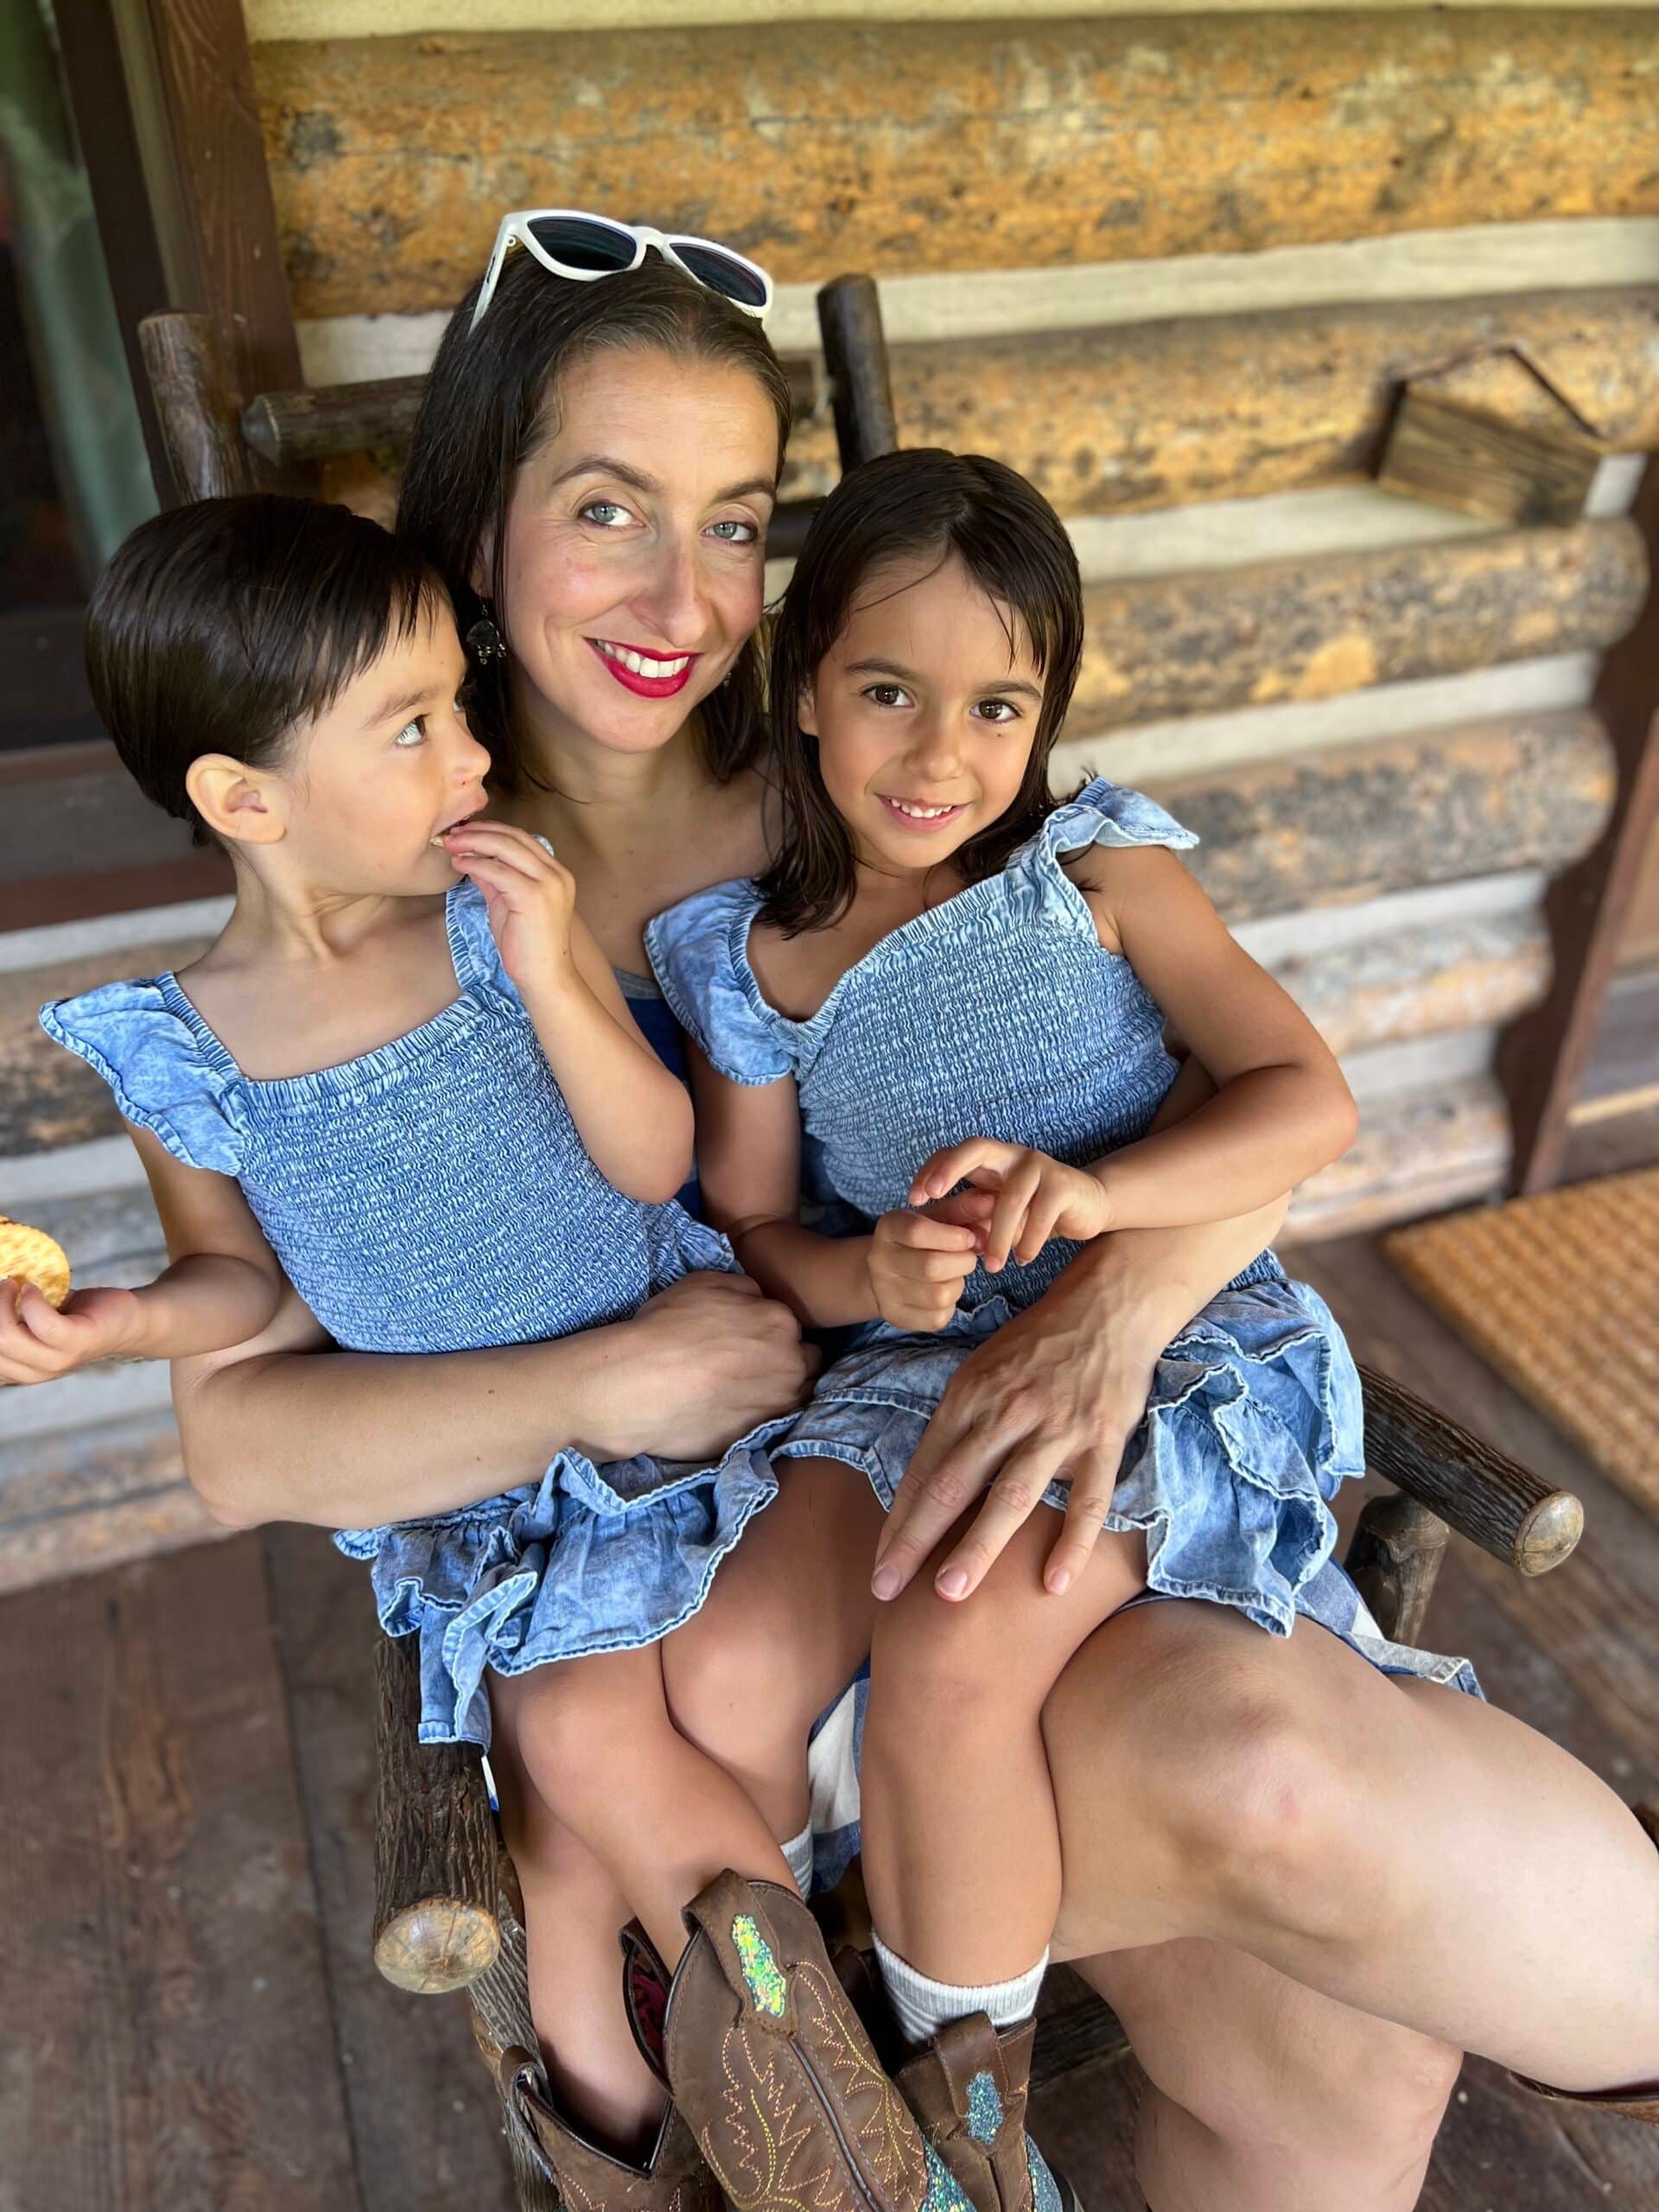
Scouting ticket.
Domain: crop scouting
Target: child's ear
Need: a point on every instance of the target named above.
(806, 711)
(236, 802)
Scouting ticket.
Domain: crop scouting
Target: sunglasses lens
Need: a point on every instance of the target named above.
(721, 272)
(579, 243)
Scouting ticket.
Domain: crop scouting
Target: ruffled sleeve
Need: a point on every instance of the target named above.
(163, 1077)
(698, 951)
(1103, 813)
(473, 948)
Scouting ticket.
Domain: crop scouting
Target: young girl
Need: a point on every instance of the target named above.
(431, 1110)
(948, 980)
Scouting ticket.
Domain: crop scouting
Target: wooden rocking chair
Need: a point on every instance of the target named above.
(449, 1914)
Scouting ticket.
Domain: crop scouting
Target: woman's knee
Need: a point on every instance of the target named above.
(1248, 1792)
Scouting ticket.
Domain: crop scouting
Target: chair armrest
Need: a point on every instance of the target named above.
(1482, 1494)
(436, 1925)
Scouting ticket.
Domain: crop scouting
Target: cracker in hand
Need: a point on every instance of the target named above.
(30, 1255)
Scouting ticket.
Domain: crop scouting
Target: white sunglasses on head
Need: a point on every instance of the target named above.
(572, 244)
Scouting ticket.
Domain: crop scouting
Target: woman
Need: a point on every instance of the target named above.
(595, 465)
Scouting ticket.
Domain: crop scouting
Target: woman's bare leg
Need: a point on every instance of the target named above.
(574, 1912)
(1262, 2096)
(962, 1843)
(1392, 1845)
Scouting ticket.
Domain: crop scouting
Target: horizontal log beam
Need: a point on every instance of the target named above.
(1417, 1153)
(1197, 644)
(1420, 982)
(1134, 417)
(1359, 821)
(890, 147)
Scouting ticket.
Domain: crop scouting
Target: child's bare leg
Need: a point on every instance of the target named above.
(962, 1850)
(573, 1914)
(786, 1629)
(597, 1744)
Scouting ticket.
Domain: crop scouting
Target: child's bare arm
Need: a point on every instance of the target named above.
(222, 1288)
(631, 1112)
(910, 1272)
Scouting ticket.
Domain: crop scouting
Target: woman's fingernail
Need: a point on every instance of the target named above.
(886, 1583)
(1060, 1581)
(952, 1582)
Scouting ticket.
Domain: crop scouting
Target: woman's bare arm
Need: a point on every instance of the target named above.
(285, 1428)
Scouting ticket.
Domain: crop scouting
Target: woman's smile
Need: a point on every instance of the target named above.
(653, 676)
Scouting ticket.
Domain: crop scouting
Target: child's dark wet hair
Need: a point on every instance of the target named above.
(225, 626)
(898, 508)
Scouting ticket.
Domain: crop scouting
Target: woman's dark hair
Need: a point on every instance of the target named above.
(221, 626)
(491, 398)
(904, 506)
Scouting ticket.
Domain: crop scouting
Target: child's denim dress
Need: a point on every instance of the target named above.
(434, 1196)
(1000, 1015)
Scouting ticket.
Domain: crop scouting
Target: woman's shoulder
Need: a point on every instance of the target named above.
(163, 1068)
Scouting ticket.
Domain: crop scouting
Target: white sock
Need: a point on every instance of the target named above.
(922, 2007)
(798, 1854)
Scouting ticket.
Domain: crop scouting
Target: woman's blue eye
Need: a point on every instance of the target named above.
(746, 532)
(597, 509)
(412, 733)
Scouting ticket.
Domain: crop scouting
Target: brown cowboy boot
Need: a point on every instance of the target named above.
(771, 2067)
(675, 2179)
(1627, 2104)
(968, 2089)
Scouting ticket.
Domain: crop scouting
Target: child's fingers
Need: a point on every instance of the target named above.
(1093, 1480)
(513, 849)
(920, 1232)
(945, 1169)
(1045, 1210)
(968, 1209)
(1013, 1202)
(937, 1267)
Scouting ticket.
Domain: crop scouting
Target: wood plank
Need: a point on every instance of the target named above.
(884, 147)
(1420, 981)
(1354, 822)
(1544, 1057)
(424, 2114)
(1311, 629)
(159, 1909)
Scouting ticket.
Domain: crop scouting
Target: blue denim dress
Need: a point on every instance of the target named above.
(434, 1195)
(999, 1013)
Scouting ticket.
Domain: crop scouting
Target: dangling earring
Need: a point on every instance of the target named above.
(484, 640)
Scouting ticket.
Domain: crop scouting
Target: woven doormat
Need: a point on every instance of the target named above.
(1560, 1293)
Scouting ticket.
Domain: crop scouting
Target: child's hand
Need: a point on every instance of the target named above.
(39, 1342)
(1035, 1197)
(917, 1268)
(530, 895)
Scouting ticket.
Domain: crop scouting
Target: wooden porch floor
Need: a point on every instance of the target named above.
(192, 2020)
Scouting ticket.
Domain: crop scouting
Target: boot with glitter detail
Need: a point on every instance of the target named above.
(772, 2069)
(674, 2178)
(968, 2087)
(1641, 2104)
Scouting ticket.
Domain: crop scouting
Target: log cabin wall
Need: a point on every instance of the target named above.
(1174, 266)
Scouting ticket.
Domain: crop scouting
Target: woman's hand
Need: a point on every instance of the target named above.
(1057, 1392)
(529, 896)
(710, 1358)
(1054, 1394)
(1034, 1197)
(916, 1265)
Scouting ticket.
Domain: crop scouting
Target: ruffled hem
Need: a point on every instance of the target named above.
(1253, 1424)
(588, 1560)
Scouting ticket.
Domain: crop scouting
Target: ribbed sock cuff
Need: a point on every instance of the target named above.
(798, 1854)
(922, 2007)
